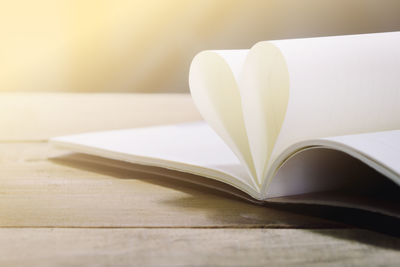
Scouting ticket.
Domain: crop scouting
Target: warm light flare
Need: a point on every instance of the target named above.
(88, 45)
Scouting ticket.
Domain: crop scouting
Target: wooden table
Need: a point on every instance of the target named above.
(57, 210)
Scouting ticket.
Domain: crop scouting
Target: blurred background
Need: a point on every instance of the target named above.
(147, 45)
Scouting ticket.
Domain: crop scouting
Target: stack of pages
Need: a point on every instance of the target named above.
(314, 120)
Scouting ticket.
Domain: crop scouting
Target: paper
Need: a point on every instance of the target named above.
(190, 147)
(311, 88)
(284, 118)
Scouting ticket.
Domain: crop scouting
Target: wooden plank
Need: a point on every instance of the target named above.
(39, 116)
(196, 247)
(59, 192)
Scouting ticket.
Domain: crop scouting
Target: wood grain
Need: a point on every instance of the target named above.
(196, 247)
(58, 210)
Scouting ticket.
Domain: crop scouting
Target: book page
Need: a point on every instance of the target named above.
(361, 171)
(213, 80)
(281, 92)
(261, 101)
(340, 85)
(191, 147)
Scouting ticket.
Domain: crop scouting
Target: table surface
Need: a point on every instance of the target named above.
(59, 210)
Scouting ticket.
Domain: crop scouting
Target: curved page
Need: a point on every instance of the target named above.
(213, 80)
(340, 85)
(281, 92)
(326, 165)
(191, 147)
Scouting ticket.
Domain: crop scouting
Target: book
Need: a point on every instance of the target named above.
(312, 120)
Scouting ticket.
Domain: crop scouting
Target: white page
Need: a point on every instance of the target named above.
(335, 86)
(300, 173)
(213, 83)
(191, 147)
(340, 85)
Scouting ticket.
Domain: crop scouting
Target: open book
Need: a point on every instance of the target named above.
(314, 120)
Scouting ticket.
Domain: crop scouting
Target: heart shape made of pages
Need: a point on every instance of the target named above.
(243, 95)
